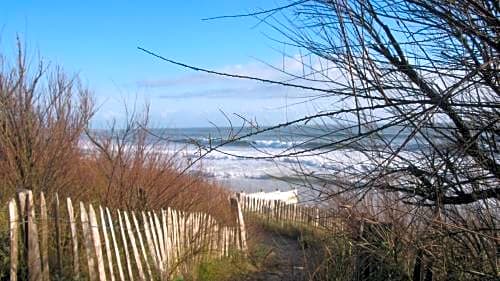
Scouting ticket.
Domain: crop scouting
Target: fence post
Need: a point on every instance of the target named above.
(87, 237)
(44, 239)
(22, 212)
(235, 204)
(74, 239)
(14, 239)
(23, 219)
(34, 264)
(55, 209)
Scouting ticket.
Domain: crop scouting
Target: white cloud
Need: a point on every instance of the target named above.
(195, 98)
(198, 84)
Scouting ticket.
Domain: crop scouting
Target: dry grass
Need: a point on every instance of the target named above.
(44, 115)
(381, 238)
(397, 241)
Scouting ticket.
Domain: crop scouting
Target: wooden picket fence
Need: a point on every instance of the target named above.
(287, 213)
(57, 243)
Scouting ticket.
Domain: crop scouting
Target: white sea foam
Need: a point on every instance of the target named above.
(274, 144)
(243, 161)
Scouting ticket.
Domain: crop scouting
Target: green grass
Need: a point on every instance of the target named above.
(229, 268)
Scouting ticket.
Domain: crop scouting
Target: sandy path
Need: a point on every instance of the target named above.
(284, 257)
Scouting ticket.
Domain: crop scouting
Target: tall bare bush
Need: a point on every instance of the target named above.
(46, 145)
(43, 113)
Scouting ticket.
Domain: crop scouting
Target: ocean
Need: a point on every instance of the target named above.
(250, 165)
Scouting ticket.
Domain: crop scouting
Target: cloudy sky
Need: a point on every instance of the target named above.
(99, 40)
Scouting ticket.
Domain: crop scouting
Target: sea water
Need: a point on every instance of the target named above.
(270, 160)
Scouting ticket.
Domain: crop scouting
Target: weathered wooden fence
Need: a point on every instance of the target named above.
(287, 196)
(83, 242)
(285, 213)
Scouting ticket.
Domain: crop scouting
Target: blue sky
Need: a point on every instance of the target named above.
(98, 40)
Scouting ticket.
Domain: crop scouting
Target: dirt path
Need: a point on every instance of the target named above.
(280, 257)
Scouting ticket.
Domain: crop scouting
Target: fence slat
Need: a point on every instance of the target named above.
(137, 258)
(57, 226)
(125, 246)
(141, 243)
(96, 238)
(317, 217)
(44, 238)
(176, 238)
(87, 239)
(14, 239)
(168, 248)
(159, 234)
(154, 237)
(215, 238)
(171, 238)
(187, 234)
(109, 255)
(226, 241)
(74, 239)
(149, 241)
(115, 246)
(182, 234)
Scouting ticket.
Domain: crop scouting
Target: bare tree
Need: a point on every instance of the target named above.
(424, 70)
(414, 93)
